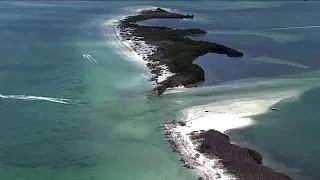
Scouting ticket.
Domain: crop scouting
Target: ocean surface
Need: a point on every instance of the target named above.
(74, 108)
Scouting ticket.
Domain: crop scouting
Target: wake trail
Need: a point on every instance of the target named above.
(89, 58)
(35, 98)
(145, 76)
(292, 27)
(85, 58)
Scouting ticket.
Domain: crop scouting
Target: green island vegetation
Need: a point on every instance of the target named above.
(175, 48)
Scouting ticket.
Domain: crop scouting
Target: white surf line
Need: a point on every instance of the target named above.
(35, 98)
(122, 46)
(292, 27)
(129, 49)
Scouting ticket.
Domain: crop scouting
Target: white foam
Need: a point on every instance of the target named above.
(143, 75)
(221, 116)
(177, 89)
(35, 98)
(164, 73)
(122, 47)
(89, 58)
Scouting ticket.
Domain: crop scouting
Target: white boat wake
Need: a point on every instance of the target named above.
(35, 98)
(292, 27)
(144, 76)
(89, 58)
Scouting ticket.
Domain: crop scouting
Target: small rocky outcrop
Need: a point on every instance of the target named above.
(255, 155)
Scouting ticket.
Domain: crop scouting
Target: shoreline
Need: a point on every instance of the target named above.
(157, 47)
(201, 124)
(196, 118)
(138, 53)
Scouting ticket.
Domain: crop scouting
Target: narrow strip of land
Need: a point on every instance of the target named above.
(174, 48)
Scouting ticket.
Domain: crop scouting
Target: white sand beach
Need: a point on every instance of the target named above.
(221, 116)
(134, 49)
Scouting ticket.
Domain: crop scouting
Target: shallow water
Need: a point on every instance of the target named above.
(111, 128)
(293, 140)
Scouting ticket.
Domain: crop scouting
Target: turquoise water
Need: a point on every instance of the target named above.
(289, 136)
(93, 118)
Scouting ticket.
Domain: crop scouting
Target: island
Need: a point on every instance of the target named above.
(238, 162)
(174, 49)
(169, 54)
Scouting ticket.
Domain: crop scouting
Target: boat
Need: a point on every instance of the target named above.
(275, 109)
